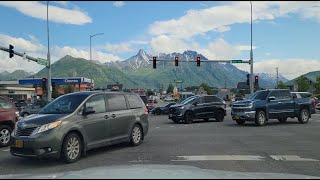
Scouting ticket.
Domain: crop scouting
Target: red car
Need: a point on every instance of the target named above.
(9, 115)
(150, 105)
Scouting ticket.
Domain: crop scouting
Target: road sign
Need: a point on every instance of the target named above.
(43, 61)
(178, 81)
(236, 61)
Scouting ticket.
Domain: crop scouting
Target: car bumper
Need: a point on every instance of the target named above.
(176, 115)
(246, 115)
(46, 145)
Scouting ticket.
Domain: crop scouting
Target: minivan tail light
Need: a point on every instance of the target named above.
(146, 111)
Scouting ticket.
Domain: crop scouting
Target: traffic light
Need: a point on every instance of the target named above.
(44, 85)
(154, 62)
(11, 51)
(256, 80)
(248, 79)
(176, 60)
(198, 61)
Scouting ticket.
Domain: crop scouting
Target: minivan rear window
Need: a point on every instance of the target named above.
(4, 104)
(135, 101)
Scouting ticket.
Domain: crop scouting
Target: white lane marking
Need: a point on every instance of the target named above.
(220, 158)
(6, 150)
(157, 127)
(290, 158)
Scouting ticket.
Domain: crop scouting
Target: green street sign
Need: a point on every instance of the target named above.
(43, 61)
(236, 61)
(178, 81)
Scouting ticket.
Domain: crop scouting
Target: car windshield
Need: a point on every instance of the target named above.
(259, 95)
(189, 100)
(63, 105)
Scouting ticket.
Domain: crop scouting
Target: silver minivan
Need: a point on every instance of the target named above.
(77, 122)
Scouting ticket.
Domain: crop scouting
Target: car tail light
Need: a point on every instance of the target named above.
(146, 111)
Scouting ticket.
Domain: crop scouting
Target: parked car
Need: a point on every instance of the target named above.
(74, 123)
(271, 104)
(308, 96)
(9, 115)
(198, 107)
(161, 109)
(144, 99)
(20, 103)
(150, 105)
(168, 98)
(31, 109)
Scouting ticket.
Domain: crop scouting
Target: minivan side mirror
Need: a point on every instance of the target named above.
(271, 98)
(88, 110)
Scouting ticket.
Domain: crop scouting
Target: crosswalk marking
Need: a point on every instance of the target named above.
(290, 158)
(6, 150)
(220, 158)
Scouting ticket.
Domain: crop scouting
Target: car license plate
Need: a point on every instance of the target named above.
(237, 117)
(19, 144)
(170, 115)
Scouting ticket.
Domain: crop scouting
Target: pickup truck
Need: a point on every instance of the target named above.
(271, 104)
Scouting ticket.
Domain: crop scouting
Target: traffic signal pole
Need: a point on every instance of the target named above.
(19, 54)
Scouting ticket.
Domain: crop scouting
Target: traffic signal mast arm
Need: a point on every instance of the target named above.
(19, 54)
(211, 61)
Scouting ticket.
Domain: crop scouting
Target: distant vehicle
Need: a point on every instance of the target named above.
(198, 107)
(162, 109)
(74, 123)
(9, 115)
(20, 103)
(155, 101)
(168, 98)
(150, 105)
(271, 104)
(318, 106)
(31, 109)
(307, 95)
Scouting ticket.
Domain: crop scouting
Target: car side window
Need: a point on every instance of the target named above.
(98, 103)
(275, 94)
(284, 95)
(4, 104)
(135, 101)
(116, 102)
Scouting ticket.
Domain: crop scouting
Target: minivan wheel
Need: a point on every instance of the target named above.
(5, 135)
(188, 117)
(303, 116)
(71, 148)
(261, 118)
(136, 135)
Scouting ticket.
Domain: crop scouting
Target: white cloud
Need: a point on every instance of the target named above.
(219, 49)
(56, 14)
(62, 3)
(246, 48)
(118, 48)
(35, 49)
(119, 3)
(289, 68)
(219, 18)
(165, 44)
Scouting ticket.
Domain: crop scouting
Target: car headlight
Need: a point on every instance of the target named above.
(249, 105)
(17, 113)
(48, 126)
(182, 107)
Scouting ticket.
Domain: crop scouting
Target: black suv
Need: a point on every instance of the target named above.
(198, 107)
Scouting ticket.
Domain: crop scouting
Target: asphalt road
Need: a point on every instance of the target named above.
(278, 148)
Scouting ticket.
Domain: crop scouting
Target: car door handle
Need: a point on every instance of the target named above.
(279, 102)
(106, 117)
(113, 115)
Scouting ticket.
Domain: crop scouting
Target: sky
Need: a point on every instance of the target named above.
(285, 34)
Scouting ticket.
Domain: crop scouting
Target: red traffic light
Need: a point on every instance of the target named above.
(176, 59)
(257, 78)
(154, 58)
(198, 58)
(198, 61)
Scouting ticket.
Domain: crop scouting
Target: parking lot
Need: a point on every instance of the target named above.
(278, 147)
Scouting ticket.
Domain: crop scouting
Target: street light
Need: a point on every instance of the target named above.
(90, 42)
(48, 57)
(251, 58)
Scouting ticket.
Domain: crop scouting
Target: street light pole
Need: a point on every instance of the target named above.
(49, 87)
(90, 43)
(251, 59)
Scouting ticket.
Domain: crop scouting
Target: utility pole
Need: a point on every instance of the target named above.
(251, 59)
(90, 43)
(49, 62)
(277, 76)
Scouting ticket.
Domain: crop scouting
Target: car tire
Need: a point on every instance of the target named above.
(175, 120)
(71, 148)
(219, 116)
(25, 115)
(240, 122)
(261, 118)
(188, 117)
(5, 135)
(206, 119)
(158, 112)
(303, 116)
(136, 135)
(282, 119)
